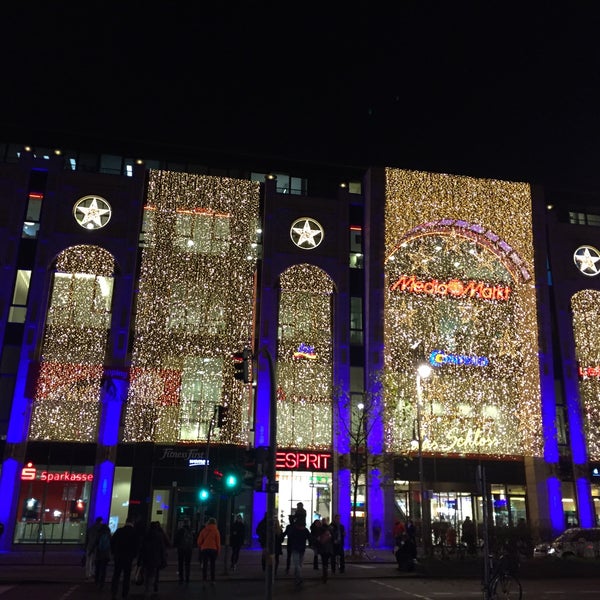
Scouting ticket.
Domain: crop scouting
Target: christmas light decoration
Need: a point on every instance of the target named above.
(586, 330)
(304, 415)
(194, 308)
(444, 229)
(66, 399)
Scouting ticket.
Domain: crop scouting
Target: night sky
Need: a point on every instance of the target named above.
(496, 89)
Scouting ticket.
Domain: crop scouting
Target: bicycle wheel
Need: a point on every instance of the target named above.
(506, 587)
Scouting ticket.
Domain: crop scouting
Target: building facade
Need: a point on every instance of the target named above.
(128, 286)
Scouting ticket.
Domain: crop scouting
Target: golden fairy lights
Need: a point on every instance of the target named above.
(586, 329)
(466, 237)
(194, 308)
(67, 394)
(304, 384)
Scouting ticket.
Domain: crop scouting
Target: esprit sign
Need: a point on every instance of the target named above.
(30, 473)
(302, 461)
(453, 287)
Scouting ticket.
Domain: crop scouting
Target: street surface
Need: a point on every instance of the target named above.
(33, 575)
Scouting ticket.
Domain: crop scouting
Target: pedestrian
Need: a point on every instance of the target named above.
(102, 553)
(91, 536)
(209, 542)
(286, 534)
(325, 547)
(184, 543)
(153, 554)
(399, 528)
(125, 547)
(300, 514)
(468, 534)
(236, 540)
(298, 537)
(315, 529)
(261, 532)
(338, 532)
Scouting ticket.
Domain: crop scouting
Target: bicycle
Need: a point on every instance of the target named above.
(503, 583)
(365, 551)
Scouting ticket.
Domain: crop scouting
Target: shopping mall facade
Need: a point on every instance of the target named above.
(128, 285)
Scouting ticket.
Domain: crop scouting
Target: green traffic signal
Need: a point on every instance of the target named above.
(204, 494)
(231, 481)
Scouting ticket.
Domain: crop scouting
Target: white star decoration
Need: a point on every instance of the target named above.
(92, 212)
(303, 234)
(585, 258)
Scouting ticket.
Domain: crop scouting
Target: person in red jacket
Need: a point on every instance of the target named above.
(209, 542)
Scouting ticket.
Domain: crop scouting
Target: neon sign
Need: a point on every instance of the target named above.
(305, 351)
(30, 473)
(438, 358)
(453, 287)
(302, 461)
(585, 372)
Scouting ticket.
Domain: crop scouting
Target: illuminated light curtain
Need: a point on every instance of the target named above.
(66, 403)
(304, 359)
(491, 406)
(194, 308)
(586, 329)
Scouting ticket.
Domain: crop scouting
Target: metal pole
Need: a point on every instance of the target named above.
(271, 514)
(205, 473)
(425, 524)
(227, 534)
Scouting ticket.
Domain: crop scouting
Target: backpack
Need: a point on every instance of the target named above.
(104, 544)
(187, 539)
(325, 536)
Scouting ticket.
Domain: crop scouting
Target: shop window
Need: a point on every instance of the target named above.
(53, 504)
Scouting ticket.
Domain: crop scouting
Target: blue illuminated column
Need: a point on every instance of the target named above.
(375, 500)
(113, 394)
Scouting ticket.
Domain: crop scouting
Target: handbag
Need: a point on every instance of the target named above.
(138, 578)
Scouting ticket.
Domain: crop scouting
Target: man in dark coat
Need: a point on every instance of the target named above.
(124, 546)
(298, 537)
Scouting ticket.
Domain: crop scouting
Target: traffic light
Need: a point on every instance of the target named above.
(241, 365)
(204, 494)
(255, 468)
(231, 483)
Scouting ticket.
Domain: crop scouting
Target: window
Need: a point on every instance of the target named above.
(285, 183)
(356, 321)
(582, 218)
(356, 250)
(18, 308)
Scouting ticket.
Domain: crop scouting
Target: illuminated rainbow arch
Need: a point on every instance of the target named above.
(509, 257)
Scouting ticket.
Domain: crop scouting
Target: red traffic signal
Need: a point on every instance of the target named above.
(241, 365)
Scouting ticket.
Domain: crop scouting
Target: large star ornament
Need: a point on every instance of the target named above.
(585, 258)
(306, 233)
(92, 212)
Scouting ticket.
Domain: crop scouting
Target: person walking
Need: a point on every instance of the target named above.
(300, 514)
(124, 547)
(325, 547)
(91, 536)
(298, 537)
(338, 533)
(102, 553)
(468, 535)
(184, 543)
(209, 542)
(236, 540)
(286, 534)
(261, 532)
(153, 556)
(315, 529)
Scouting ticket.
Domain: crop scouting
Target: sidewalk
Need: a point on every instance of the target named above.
(64, 564)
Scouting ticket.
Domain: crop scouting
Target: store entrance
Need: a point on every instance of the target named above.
(311, 488)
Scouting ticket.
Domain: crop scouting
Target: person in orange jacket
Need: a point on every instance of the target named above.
(209, 542)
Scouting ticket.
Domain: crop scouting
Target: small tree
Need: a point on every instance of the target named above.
(357, 416)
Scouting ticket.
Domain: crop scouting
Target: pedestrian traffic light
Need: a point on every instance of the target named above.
(204, 494)
(241, 365)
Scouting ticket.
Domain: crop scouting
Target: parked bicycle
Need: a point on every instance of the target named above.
(503, 582)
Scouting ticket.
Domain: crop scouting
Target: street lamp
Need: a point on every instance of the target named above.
(423, 372)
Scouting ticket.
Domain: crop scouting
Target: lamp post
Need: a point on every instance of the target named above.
(423, 372)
